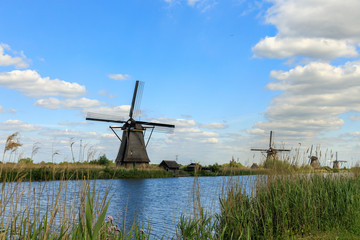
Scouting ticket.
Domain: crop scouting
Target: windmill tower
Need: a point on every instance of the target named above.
(132, 150)
(271, 153)
(313, 160)
(336, 163)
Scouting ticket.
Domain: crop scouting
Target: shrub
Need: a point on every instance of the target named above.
(25, 161)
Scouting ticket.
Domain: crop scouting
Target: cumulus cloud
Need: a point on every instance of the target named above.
(214, 125)
(121, 77)
(32, 84)
(313, 96)
(355, 118)
(332, 19)
(54, 103)
(311, 28)
(319, 48)
(7, 60)
(68, 134)
(17, 125)
(2, 110)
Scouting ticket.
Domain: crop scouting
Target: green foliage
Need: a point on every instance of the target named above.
(215, 167)
(292, 206)
(102, 160)
(25, 161)
(278, 166)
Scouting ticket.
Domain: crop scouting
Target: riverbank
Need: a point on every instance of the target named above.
(50, 172)
(74, 171)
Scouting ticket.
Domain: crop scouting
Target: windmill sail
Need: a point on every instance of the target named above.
(132, 151)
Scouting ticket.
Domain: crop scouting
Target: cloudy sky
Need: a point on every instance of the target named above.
(224, 72)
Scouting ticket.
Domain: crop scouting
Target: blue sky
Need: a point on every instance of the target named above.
(224, 72)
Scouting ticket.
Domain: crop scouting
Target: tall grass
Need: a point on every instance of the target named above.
(284, 207)
(55, 210)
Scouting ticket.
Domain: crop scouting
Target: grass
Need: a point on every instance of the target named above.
(284, 207)
(48, 172)
(69, 213)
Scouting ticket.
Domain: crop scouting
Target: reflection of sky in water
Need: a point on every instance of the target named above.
(158, 202)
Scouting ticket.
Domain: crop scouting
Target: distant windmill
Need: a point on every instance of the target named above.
(270, 152)
(336, 163)
(313, 160)
(132, 150)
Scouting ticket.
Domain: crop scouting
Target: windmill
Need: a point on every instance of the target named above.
(270, 152)
(313, 160)
(336, 163)
(132, 150)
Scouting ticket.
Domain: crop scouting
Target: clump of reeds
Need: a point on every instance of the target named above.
(282, 207)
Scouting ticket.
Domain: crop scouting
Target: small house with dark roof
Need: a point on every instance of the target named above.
(254, 166)
(168, 165)
(193, 167)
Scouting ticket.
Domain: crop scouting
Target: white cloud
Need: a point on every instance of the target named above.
(332, 19)
(2, 110)
(18, 126)
(355, 118)
(68, 134)
(75, 123)
(214, 125)
(192, 2)
(312, 28)
(54, 103)
(179, 123)
(7, 60)
(320, 48)
(106, 94)
(33, 85)
(119, 76)
(313, 97)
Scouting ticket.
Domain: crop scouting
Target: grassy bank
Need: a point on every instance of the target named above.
(291, 207)
(46, 172)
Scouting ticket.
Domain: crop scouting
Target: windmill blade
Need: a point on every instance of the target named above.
(311, 151)
(281, 150)
(258, 149)
(135, 97)
(160, 129)
(156, 124)
(104, 117)
(270, 142)
(140, 90)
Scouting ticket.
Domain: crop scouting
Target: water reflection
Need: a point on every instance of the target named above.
(158, 202)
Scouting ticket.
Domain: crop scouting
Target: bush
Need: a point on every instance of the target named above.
(102, 160)
(25, 161)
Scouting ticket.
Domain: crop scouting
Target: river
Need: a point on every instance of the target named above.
(158, 202)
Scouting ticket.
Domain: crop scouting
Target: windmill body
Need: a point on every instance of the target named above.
(271, 153)
(336, 163)
(313, 160)
(132, 150)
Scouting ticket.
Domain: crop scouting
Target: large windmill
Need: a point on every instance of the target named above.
(132, 150)
(271, 152)
(336, 163)
(313, 160)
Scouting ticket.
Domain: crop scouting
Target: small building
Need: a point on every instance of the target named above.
(168, 165)
(254, 166)
(193, 167)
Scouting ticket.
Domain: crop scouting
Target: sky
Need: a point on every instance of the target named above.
(225, 73)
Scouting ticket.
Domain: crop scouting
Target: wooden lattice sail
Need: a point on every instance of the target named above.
(132, 150)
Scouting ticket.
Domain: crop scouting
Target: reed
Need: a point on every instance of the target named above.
(76, 212)
(285, 207)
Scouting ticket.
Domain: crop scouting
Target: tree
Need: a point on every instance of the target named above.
(25, 161)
